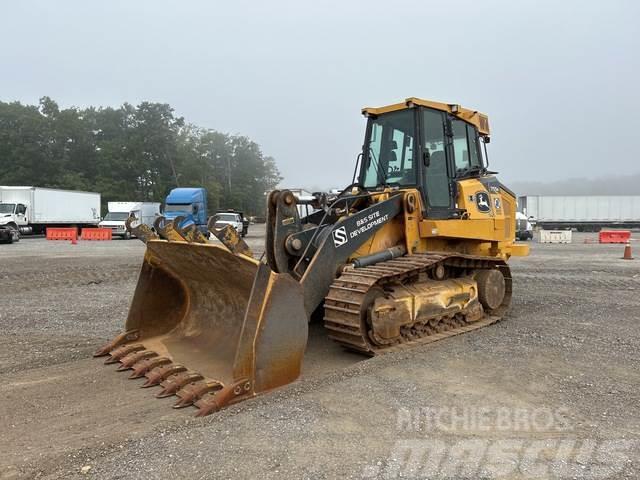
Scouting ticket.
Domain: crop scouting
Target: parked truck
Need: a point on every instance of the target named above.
(144, 212)
(524, 229)
(234, 218)
(30, 210)
(583, 212)
(189, 203)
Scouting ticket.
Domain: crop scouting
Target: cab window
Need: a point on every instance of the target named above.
(460, 146)
(465, 146)
(474, 148)
(389, 150)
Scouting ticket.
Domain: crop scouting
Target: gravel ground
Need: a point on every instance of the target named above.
(550, 392)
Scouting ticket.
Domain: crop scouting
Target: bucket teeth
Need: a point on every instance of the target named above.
(130, 360)
(213, 401)
(175, 382)
(123, 351)
(141, 231)
(147, 364)
(159, 374)
(207, 405)
(194, 390)
(128, 336)
(167, 229)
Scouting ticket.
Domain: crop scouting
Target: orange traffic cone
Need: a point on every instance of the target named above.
(627, 252)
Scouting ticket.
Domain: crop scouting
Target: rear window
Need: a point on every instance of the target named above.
(116, 216)
(228, 217)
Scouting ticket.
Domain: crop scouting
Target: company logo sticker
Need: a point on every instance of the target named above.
(340, 237)
(496, 202)
(482, 202)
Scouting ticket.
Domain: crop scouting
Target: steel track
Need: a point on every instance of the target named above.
(350, 295)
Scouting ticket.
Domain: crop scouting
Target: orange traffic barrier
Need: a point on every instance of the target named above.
(96, 234)
(62, 234)
(614, 236)
(627, 252)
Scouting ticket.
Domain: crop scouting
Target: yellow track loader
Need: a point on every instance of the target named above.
(413, 251)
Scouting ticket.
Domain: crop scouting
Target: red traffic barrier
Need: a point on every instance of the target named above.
(614, 236)
(96, 234)
(62, 234)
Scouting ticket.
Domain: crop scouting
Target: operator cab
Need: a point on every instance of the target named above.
(426, 145)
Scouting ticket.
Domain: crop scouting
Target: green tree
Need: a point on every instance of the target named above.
(130, 153)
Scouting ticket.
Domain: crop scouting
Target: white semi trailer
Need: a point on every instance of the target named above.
(584, 212)
(144, 212)
(32, 209)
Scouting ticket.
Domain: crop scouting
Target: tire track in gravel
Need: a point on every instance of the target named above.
(68, 276)
(594, 280)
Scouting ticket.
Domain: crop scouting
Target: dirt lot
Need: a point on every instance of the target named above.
(557, 382)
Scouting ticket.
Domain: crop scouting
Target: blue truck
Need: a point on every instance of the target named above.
(190, 203)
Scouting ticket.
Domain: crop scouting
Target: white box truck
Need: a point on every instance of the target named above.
(145, 212)
(33, 209)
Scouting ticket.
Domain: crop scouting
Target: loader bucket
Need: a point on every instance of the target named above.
(211, 327)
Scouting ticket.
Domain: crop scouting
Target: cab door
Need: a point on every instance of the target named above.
(21, 214)
(437, 174)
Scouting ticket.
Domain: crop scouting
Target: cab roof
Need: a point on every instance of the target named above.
(479, 120)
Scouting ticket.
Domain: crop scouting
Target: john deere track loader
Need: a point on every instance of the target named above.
(413, 251)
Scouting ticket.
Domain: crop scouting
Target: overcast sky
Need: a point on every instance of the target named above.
(558, 79)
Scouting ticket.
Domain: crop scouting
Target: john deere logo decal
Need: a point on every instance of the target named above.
(340, 237)
(482, 202)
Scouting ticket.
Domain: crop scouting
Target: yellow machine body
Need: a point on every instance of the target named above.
(477, 233)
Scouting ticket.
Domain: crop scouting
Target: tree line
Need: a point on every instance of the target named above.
(130, 154)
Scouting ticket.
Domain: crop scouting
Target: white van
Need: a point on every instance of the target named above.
(145, 212)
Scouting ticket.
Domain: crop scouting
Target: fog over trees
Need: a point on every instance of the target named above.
(135, 153)
(610, 185)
